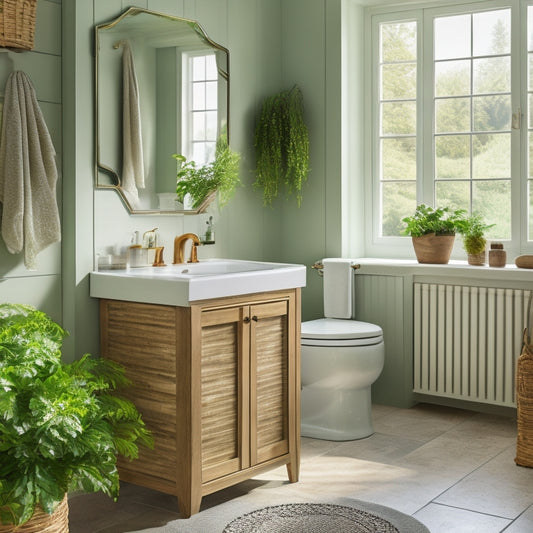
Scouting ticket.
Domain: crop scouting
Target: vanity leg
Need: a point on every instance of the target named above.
(189, 506)
(293, 470)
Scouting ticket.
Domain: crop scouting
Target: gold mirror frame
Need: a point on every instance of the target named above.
(106, 175)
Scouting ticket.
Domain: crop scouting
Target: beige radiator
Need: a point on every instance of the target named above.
(467, 340)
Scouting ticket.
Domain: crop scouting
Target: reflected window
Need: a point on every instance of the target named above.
(200, 106)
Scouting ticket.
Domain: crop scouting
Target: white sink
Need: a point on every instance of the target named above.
(185, 283)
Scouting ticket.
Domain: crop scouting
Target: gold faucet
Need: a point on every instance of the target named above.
(179, 248)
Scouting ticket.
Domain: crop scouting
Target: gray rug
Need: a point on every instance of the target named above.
(325, 518)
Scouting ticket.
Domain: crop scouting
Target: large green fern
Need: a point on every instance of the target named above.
(62, 426)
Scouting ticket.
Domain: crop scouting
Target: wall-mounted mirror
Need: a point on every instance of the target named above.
(162, 88)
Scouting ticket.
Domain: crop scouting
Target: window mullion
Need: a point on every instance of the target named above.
(426, 184)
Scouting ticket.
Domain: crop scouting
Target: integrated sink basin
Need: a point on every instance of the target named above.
(185, 283)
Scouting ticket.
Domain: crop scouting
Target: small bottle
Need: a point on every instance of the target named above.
(497, 255)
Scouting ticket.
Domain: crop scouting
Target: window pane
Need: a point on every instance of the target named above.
(452, 37)
(198, 96)
(211, 95)
(492, 113)
(211, 72)
(454, 194)
(452, 78)
(530, 225)
(198, 68)
(398, 41)
(530, 73)
(492, 32)
(398, 118)
(211, 125)
(399, 201)
(492, 75)
(492, 156)
(452, 115)
(398, 81)
(210, 149)
(198, 153)
(452, 157)
(198, 126)
(530, 158)
(493, 199)
(398, 158)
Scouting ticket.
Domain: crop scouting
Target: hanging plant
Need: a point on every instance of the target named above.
(282, 145)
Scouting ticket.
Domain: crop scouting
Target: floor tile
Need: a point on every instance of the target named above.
(499, 487)
(422, 422)
(523, 524)
(452, 469)
(443, 519)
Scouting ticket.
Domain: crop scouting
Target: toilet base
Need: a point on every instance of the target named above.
(336, 414)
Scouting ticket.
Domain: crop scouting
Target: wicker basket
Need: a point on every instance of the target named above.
(17, 24)
(524, 404)
(42, 522)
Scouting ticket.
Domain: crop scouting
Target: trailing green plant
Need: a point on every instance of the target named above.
(282, 145)
(473, 229)
(221, 175)
(440, 221)
(62, 426)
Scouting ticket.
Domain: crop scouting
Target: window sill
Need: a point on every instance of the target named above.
(454, 269)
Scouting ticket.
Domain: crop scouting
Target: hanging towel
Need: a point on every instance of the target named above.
(338, 277)
(28, 173)
(132, 150)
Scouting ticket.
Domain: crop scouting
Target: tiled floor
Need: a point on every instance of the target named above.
(451, 469)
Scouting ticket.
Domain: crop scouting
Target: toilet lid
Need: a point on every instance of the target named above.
(334, 328)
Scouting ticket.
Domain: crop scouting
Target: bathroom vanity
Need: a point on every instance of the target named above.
(217, 380)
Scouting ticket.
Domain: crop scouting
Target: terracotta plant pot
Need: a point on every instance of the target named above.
(477, 259)
(435, 249)
(41, 522)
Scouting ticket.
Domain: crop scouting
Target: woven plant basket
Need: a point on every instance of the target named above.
(524, 404)
(17, 24)
(42, 522)
(434, 249)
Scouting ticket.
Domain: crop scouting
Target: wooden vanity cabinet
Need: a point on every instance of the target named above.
(218, 384)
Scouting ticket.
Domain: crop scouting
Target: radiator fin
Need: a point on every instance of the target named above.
(467, 340)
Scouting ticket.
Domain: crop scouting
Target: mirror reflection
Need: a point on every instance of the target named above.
(162, 88)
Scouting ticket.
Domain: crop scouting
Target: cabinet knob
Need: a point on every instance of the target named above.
(246, 319)
(254, 318)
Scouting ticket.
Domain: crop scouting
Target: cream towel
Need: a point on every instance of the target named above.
(132, 149)
(28, 173)
(338, 277)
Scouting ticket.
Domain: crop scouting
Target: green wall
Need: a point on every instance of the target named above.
(41, 287)
(273, 44)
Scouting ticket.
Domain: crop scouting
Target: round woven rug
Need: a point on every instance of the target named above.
(323, 518)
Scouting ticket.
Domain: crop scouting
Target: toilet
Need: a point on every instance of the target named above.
(341, 358)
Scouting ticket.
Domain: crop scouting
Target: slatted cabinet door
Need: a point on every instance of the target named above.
(269, 387)
(224, 399)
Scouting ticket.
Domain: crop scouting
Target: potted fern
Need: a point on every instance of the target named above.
(202, 183)
(62, 426)
(473, 229)
(433, 232)
(282, 146)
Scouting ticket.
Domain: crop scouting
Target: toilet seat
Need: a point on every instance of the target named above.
(340, 332)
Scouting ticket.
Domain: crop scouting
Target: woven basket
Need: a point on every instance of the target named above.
(42, 522)
(17, 23)
(524, 404)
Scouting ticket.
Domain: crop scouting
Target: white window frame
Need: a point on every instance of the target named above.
(186, 102)
(401, 247)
